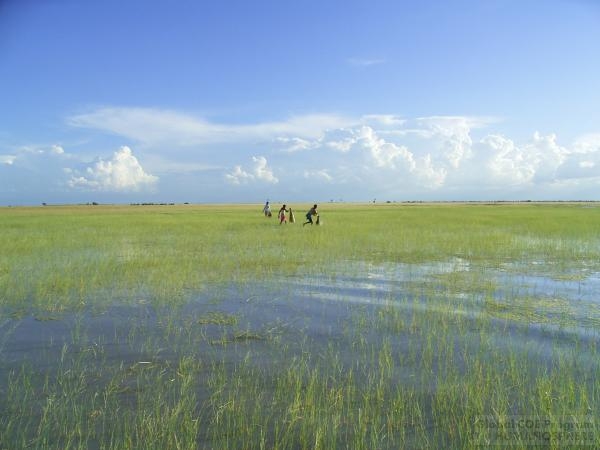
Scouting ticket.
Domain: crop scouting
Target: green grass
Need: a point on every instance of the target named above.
(440, 361)
(218, 318)
(63, 257)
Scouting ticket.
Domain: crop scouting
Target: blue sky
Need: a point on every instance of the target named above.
(237, 101)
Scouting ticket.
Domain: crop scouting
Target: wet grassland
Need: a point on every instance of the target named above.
(389, 326)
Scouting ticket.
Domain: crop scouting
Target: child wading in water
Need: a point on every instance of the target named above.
(311, 212)
(282, 212)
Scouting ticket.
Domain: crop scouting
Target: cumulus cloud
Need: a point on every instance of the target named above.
(429, 175)
(505, 162)
(545, 155)
(260, 172)
(239, 176)
(365, 151)
(438, 152)
(449, 137)
(535, 161)
(384, 154)
(434, 154)
(416, 167)
(389, 139)
(122, 173)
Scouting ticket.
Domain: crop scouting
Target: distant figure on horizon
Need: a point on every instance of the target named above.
(282, 218)
(309, 215)
(267, 210)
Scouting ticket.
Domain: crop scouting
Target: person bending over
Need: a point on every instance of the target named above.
(309, 215)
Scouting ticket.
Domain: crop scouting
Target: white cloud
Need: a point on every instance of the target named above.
(389, 139)
(384, 154)
(413, 169)
(588, 143)
(7, 159)
(438, 152)
(375, 152)
(429, 175)
(506, 163)
(149, 125)
(260, 172)
(546, 156)
(155, 126)
(35, 157)
(383, 120)
(536, 161)
(340, 140)
(539, 163)
(580, 166)
(322, 175)
(449, 136)
(122, 173)
(295, 144)
(239, 176)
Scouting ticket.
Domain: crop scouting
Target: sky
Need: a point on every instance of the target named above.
(298, 101)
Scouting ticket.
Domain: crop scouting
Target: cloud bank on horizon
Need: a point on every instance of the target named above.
(326, 156)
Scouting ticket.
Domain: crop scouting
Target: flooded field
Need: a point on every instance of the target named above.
(455, 352)
(339, 323)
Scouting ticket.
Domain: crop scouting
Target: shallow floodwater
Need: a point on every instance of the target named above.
(417, 323)
(574, 296)
(310, 311)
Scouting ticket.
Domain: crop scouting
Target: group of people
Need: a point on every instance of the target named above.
(312, 212)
